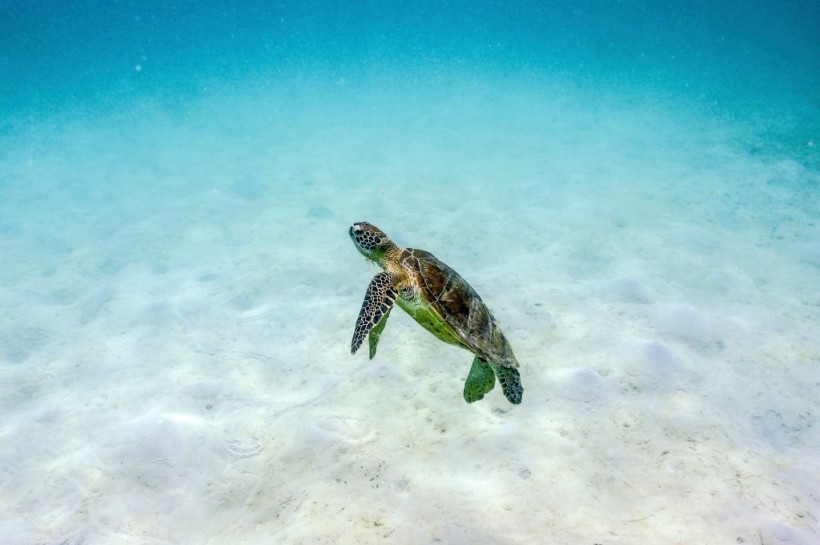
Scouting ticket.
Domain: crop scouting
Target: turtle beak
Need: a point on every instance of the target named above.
(355, 231)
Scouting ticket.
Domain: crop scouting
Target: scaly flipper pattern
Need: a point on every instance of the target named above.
(377, 303)
(510, 380)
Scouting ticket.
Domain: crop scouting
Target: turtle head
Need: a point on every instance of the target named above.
(371, 241)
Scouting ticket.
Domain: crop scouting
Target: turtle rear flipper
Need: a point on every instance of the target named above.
(510, 380)
(480, 380)
(378, 300)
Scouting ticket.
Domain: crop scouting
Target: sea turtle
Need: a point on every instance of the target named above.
(442, 302)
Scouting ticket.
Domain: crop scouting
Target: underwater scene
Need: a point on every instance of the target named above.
(594, 225)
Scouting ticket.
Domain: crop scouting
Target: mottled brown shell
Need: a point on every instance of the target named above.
(458, 305)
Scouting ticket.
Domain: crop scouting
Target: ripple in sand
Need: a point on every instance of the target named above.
(244, 447)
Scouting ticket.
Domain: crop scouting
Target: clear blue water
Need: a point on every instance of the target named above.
(60, 55)
(632, 187)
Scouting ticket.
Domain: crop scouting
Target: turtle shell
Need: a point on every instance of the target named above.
(454, 302)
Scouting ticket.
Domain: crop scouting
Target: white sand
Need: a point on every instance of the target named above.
(179, 292)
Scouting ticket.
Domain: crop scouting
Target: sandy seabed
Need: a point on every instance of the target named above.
(178, 294)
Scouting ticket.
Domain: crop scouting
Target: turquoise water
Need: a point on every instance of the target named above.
(631, 187)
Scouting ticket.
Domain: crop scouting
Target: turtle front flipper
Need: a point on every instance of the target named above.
(510, 380)
(480, 381)
(376, 306)
(376, 333)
